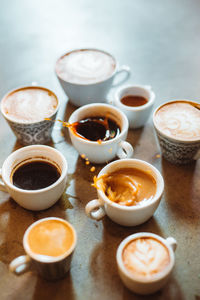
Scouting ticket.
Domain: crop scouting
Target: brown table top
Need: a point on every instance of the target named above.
(160, 42)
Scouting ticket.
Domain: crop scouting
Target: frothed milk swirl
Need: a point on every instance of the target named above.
(85, 66)
(145, 257)
(179, 120)
(30, 104)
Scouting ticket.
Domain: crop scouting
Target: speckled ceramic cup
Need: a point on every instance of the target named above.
(177, 126)
(30, 132)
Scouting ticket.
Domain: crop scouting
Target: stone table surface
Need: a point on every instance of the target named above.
(160, 42)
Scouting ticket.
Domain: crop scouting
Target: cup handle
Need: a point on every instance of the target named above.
(2, 185)
(20, 264)
(125, 150)
(172, 243)
(95, 210)
(123, 69)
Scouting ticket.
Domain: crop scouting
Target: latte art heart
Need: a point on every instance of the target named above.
(145, 257)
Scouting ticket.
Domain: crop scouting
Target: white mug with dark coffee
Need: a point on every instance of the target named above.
(86, 75)
(49, 245)
(98, 131)
(34, 176)
(145, 261)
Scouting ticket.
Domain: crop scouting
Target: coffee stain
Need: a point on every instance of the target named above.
(64, 201)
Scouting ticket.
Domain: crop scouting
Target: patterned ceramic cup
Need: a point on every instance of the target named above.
(51, 258)
(31, 127)
(177, 125)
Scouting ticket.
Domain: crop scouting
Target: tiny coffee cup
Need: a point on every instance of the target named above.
(101, 151)
(49, 245)
(124, 214)
(86, 75)
(177, 126)
(136, 101)
(25, 110)
(151, 265)
(40, 198)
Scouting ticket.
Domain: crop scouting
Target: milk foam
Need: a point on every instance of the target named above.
(145, 257)
(30, 105)
(85, 66)
(179, 120)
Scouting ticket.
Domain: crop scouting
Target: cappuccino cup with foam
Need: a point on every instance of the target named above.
(129, 191)
(49, 245)
(177, 125)
(145, 262)
(26, 108)
(86, 75)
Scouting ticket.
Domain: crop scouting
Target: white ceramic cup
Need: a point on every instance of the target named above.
(34, 199)
(121, 214)
(31, 133)
(137, 115)
(145, 286)
(52, 268)
(81, 94)
(107, 150)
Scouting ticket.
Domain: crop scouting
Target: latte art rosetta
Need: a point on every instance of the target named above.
(145, 257)
(180, 120)
(85, 66)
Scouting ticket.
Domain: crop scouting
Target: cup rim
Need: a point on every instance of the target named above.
(97, 105)
(22, 88)
(85, 49)
(156, 197)
(26, 149)
(53, 259)
(160, 275)
(124, 88)
(167, 136)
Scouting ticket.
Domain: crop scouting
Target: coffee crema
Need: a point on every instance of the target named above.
(95, 128)
(29, 104)
(179, 120)
(50, 238)
(145, 257)
(133, 100)
(127, 186)
(35, 175)
(86, 66)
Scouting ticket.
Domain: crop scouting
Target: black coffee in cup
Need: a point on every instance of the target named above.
(35, 175)
(96, 128)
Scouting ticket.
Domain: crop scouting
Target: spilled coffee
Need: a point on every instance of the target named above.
(96, 128)
(35, 175)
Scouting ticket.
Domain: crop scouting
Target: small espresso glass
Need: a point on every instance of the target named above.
(101, 151)
(34, 199)
(34, 130)
(144, 285)
(137, 113)
(126, 215)
(47, 266)
(95, 86)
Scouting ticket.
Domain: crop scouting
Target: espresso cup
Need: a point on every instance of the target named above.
(136, 101)
(101, 151)
(86, 75)
(126, 215)
(177, 126)
(35, 160)
(145, 262)
(25, 110)
(49, 245)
